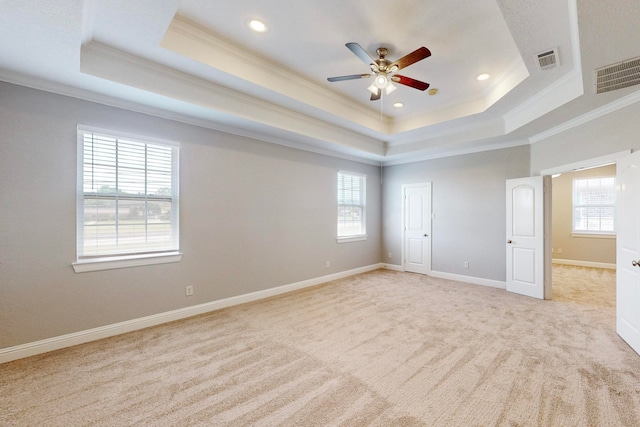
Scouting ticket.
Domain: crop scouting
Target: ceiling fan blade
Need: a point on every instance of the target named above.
(361, 53)
(375, 96)
(351, 77)
(408, 81)
(415, 56)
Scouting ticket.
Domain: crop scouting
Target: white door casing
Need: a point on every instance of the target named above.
(527, 271)
(417, 227)
(628, 250)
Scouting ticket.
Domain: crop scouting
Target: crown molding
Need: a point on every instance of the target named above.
(565, 89)
(112, 64)
(587, 117)
(110, 101)
(456, 133)
(515, 74)
(574, 30)
(415, 157)
(188, 39)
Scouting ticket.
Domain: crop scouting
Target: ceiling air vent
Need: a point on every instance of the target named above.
(548, 59)
(617, 76)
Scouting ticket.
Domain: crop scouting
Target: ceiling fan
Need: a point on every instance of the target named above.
(383, 70)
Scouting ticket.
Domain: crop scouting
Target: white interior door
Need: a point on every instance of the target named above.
(526, 267)
(417, 227)
(628, 250)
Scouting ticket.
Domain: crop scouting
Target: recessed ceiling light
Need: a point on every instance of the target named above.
(482, 77)
(257, 26)
(398, 105)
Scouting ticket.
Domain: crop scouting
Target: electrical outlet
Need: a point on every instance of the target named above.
(466, 264)
(559, 250)
(188, 290)
(327, 264)
(389, 255)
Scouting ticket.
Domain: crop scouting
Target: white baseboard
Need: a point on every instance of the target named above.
(577, 263)
(469, 279)
(43, 346)
(457, 277)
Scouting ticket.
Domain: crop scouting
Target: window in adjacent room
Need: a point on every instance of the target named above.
(127, 204)
(594, 205)
(351, 206)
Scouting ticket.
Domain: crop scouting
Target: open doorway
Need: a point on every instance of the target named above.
(583, 208)
(583, 254)
(583, 236)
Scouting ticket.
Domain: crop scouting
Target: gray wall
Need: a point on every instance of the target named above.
(253, 216)
(468, 200)
(593, 249)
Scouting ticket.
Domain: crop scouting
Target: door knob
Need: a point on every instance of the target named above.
(509, 241)
(635, 263)
(426, 235)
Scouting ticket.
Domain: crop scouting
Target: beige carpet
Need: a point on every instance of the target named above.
(382, 348)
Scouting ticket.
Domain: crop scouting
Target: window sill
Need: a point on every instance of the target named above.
(110, 263)
(594, 235)
(351, 239)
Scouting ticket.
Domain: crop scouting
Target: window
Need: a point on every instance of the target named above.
(351, 206)
(127, 207)
(594, 205)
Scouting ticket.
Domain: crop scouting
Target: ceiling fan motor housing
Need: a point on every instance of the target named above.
(381, 65)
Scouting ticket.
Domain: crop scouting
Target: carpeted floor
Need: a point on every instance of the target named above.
(383, 348)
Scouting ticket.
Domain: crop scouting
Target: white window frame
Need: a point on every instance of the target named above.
(344, 238)
(137, 256)
(574, 206)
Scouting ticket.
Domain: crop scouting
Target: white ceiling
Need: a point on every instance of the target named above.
(197, 61)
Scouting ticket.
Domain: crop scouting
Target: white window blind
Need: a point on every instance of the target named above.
(351, 204)
(594, 205)
(127, 196)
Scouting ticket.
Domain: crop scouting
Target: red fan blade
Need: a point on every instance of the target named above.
(415, 56)
(361, 53)
(351, 77)
(408, 81)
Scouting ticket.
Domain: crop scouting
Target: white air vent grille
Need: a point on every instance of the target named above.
(548, 59)
(618, 76)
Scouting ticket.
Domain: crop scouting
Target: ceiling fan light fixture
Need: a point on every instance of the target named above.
(390, 88)
(373, 89)
(381, 81)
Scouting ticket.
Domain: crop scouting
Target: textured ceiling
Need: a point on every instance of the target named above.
(198, 62)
